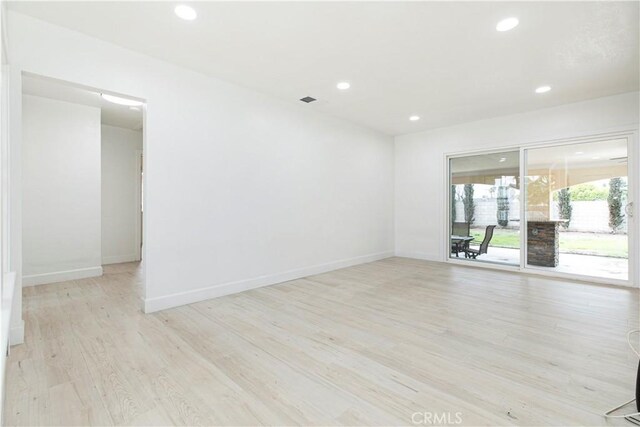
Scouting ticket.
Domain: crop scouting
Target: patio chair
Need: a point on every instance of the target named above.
(474, 253)
(459, 229)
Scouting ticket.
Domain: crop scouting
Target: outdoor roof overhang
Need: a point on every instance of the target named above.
(486, 177)
(563, 178)
(559, 178)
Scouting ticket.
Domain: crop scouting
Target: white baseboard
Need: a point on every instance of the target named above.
(16, 334)
(61, 276)
(182, 298)
(117, 259)
(419, 255)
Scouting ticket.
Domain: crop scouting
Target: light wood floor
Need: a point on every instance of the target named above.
(370, 344)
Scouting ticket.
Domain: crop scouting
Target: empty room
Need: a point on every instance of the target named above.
(320, 213)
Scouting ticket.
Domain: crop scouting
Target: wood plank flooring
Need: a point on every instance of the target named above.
(366, 345)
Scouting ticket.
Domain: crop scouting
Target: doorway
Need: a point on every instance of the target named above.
(485, 207)
(577, 208)
(82, 185)
(562, 209)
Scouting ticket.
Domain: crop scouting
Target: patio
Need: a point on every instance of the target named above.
(588, 265)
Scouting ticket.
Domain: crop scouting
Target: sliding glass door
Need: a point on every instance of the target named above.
(576, 221)
(484, 208)
(559, 209)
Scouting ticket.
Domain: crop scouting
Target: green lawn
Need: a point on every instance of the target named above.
(603, 244)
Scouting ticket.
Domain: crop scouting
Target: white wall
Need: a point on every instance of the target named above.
(590, 216)
(60, 190)
(420, 160)
(120, 194)
(242, 189)
(7, 280)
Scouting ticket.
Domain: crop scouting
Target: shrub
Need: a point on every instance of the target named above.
(564, 207)
(588, 192)
(453, 204)
(503, 206)
(469, 205)
(616, 190)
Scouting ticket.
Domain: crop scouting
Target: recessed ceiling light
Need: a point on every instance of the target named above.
(579, 152)
(507, 24)
(343, 85)
(186, 12)
(502, 159)
(414, 118)
(543, 89)
(134, 108)
(595, 157)
(120, 101)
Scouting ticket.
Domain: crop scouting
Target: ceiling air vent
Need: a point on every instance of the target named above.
(307, 99)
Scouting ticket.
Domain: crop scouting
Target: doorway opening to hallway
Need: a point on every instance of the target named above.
(82, 183)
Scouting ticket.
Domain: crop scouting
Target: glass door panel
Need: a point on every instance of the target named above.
(484, 208)
(575, 208)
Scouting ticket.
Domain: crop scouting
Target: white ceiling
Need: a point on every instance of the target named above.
(111, 114)
(443, 61)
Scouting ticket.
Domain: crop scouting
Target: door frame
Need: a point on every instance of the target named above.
(139, 221)
(633, 196)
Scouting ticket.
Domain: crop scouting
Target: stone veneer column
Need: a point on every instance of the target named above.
(543, 243)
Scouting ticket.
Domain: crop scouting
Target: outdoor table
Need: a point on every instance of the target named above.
(460, 243)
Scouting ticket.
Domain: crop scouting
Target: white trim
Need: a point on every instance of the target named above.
(523, 255)
(8, 291)
(610, 133)
(144, 253)
(117, 259)
(16, 334)
(633, 196)
(182, 298)
(13, 201)
(137, 209)
(61, 276)
(485, 264)
(542, 271)
(446, 230)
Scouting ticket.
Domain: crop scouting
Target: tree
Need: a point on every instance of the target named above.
(538, 190)
(503, 206)
(588, 192)
(564, 207)
(616, 190)
(453, 203)
(467, 201)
